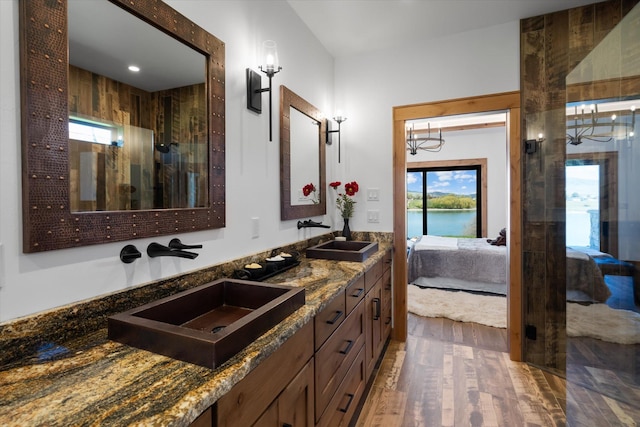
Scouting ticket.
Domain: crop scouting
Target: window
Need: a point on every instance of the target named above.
(443, 201)
(88, 131)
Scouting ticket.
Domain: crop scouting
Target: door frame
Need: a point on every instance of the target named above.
(509, 102)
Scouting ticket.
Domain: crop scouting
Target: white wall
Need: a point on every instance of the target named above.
(366, 89)
(35, 282)
(369, 86)
(490, 144)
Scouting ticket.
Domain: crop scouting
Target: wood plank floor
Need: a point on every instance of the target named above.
(459, 374)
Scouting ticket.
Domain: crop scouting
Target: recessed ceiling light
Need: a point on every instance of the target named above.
(134, 68)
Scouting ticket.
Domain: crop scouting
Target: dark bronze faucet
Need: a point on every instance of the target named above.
(156, 249)
(309, 223)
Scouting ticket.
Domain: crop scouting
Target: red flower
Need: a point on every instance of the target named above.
(351, 188)
(308, 189)
(335, 184)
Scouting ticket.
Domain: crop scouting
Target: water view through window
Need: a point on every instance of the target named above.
(451, 196)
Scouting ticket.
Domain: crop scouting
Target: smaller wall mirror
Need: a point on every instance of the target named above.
(302, 157)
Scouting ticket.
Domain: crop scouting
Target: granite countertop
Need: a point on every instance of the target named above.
(101, 382)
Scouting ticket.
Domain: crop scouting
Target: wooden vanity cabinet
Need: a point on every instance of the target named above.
(319, 375)
(281, 383)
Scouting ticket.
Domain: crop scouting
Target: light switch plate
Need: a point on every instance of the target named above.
(373, 194)
(373, 216)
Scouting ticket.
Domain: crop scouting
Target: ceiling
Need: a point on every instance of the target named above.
(353, 27)
(344, 27)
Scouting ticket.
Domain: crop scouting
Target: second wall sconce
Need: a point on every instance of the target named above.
(270, 67)
(339, 118)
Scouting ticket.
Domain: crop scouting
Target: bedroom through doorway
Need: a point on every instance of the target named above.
(509, 104)
(456, 210)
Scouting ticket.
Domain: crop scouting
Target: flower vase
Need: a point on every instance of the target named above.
(346, 231)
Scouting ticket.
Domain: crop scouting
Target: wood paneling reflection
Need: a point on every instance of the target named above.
(163, 160)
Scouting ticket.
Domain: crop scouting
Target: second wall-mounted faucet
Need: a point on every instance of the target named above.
(310, 223)
(175, 249)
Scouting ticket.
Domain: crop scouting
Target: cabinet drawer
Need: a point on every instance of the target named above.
(372, 275)
(329, 319)
(354, 294)
(344, 403)
(336, 356)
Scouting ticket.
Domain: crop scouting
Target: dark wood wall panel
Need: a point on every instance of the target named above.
(551, 47)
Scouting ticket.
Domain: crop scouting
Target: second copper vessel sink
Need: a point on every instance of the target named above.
(209, 324)
(349, 250)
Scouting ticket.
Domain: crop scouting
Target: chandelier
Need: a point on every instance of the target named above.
(426, 143)
(593, 126)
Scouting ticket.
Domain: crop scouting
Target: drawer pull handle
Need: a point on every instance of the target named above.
(287, 425)
(335, 318)
(376, 309)
(348, 349)
(346, 408)
(357, 294)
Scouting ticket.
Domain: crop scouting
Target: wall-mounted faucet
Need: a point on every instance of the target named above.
(309, 223)
(156, 249)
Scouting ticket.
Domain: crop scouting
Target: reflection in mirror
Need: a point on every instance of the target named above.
(603, 245)
(161, 105)
(302, 157)
(603, 218)
(151, 144)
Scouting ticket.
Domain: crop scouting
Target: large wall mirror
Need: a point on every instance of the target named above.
(302, 157)
(112, 154)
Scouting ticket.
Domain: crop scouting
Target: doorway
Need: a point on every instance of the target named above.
(509, 102)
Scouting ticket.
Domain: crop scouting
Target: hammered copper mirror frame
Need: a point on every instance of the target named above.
(48, 222)
(288, 100)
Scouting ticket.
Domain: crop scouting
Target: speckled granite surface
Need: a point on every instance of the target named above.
(59, 369)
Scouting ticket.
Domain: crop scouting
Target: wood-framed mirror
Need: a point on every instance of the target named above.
(302, 157)
(54, 216)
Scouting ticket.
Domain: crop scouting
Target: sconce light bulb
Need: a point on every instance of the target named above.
(632, 133)
(270, 60)
(540, 136)
(613, 117)
(633, 108)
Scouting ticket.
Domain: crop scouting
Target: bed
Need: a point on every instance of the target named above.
(477, 260)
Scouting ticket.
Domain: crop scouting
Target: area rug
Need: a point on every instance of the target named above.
(595, 320)
(461, 306)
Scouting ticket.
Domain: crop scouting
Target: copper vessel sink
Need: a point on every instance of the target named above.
(209, 324)
(349, 250)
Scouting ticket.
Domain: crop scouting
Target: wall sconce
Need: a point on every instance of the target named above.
(414, 143)
(531, 145)
(339, 118)
(254, 80)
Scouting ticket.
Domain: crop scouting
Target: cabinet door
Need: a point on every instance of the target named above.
(295, 404)
(373, 316)
(269, 418)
